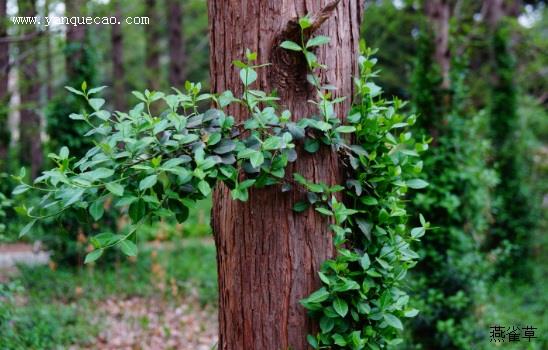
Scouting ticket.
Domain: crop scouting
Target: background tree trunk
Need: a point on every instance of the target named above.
(152, 56)
(76, 38)
(48, 58)
(117, 51)
(177, 55)
(439, 13)
(492, 12)
(268, 256)
(29, 89)
(4, 93)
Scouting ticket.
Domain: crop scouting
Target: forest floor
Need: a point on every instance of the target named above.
(165, 299)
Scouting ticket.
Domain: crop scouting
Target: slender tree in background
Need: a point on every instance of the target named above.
(4, 93)
(268, 255)
(152, 55)
(79, 67)
(117, 52)
(29, 89)
(448, 282)
(514, 209)
(439, 12)
(48, 56)
(177, 47)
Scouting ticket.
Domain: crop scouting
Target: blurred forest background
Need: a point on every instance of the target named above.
(475, 73)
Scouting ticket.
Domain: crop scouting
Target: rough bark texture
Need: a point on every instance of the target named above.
(439, 13)
(177, 54)
(268, 256)
(152, 56)
(29, 89)
(4, 94)
(117, 51)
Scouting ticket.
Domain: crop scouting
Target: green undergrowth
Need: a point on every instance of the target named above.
(43, 308)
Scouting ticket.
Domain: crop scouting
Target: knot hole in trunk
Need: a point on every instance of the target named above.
(289, 68)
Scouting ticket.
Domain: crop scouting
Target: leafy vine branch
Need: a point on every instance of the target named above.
(157, 166)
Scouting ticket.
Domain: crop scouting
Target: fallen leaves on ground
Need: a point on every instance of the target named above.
(156, 324)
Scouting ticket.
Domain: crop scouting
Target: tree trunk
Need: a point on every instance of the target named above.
(177, 55)
(29, 89)
(4, 94)
(117, 50)
(76, 38)
(492, 12)
(268, 256)
(48, 58)
(439, 13)
(152, 56)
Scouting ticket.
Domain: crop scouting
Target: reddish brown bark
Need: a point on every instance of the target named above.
(29, 89)
(4, 73)
(439, 13)
(268, 256)
(177, 54)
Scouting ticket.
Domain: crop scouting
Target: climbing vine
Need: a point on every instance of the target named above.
(158, 165)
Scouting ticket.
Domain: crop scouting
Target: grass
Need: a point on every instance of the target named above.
(49, 309)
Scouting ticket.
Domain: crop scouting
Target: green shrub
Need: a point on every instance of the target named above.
(515, 212)
(449, 281)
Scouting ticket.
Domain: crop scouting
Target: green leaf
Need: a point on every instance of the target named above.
(318, 296)
(318, 40)
(137, 210)
(324, 211)
(311, 145)
(339, 339)
(75, 116)
(115, 188)
(417, 232)
(204, 188)
(393, 321)
(345, 129)
(340, 306)
(305, 22)
(326, 324)
(64, 152)
(256, 159)
(92, 256)
(411, 313)
(248, 76)
(27, 228)
(272, 143)
(20, 189)
(368, 200)
(74, 91)
(300, 206)
(96, 103)
(103, 115)
(100, 173)
(128, 247)
(74, 197)
(97, 209)
(290, 45)
(96, 90)
(312, 341)
(365, 262)
(417, 183)
(148, 182)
